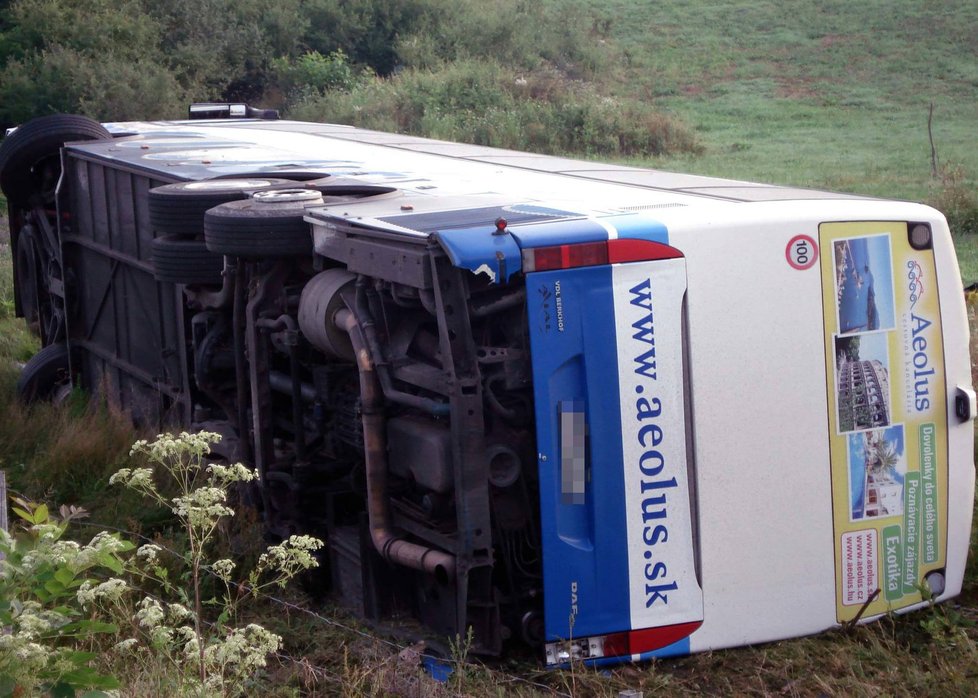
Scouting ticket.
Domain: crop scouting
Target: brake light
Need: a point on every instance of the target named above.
(588, 254)
(624, 645)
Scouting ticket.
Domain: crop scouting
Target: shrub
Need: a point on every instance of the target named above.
(526, 36)
(484, 103)
(957, 200)
(313, 74)
(46, 625)
(154, 614)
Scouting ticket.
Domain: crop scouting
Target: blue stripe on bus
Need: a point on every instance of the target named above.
(637, 226)
(565, 232)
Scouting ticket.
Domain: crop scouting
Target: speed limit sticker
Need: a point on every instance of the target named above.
(801, 252)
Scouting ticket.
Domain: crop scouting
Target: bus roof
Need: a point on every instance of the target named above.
(193, 150)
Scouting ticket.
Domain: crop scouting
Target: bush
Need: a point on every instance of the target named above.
(957, 200)
(313, 74)
(93, 57)
(526, 36)
(484, 103)
(69, 609)
(45, 624)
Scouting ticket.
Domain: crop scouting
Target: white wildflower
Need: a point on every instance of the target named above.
(203, 506)
(134, 478)
(59, 553)
(111, 591)
(244, 649)
(226, 474)
(31, 653)
(148, 552)
(179, 613)
(187, 635)
(161, 636)
(290, 556)
(137, 447)
(168, 447)
(105, 542)
(125, 645)
(150, 613)
(47, 532)
(33, 621)
(223, 569)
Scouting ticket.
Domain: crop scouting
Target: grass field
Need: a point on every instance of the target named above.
(830, 94)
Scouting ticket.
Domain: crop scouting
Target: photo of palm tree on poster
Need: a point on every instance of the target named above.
(877, 466)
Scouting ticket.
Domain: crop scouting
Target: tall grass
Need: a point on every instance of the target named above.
(61, 453)
(484, 102)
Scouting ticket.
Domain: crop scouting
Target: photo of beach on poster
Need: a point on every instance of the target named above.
(877, 467)
(864, 284)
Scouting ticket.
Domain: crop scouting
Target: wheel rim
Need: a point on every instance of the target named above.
(219, 185)
(287, 196)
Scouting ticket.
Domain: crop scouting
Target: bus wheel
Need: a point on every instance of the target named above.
(184, 259)
(269, 224)
(180, 207)
(30, 161)
(44, 375)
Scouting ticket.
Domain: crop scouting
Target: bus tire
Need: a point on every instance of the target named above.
(254, 228)
(44, 374)
(28, 157)
(184, 259)
(179, 208)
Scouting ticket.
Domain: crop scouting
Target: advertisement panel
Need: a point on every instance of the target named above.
(887, 415)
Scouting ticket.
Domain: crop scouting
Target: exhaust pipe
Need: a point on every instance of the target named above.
(391, 547)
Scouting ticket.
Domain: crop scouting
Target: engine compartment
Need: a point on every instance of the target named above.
(393, 421)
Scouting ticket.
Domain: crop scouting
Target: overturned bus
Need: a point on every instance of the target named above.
(611, 412)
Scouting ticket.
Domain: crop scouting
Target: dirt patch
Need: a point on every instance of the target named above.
(830, 40)
(797, 88)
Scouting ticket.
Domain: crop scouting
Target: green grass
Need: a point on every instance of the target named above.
(831, 95)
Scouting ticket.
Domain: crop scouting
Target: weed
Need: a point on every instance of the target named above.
(946, 628)
(57, 595)
(460, 648)
(43, 582)
(221, 656)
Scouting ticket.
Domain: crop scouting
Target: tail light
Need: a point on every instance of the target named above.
(622, 646)
(587, 254)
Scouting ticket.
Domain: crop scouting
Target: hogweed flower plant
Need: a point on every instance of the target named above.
(67, 607)
(221, 657)
(46, 634)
